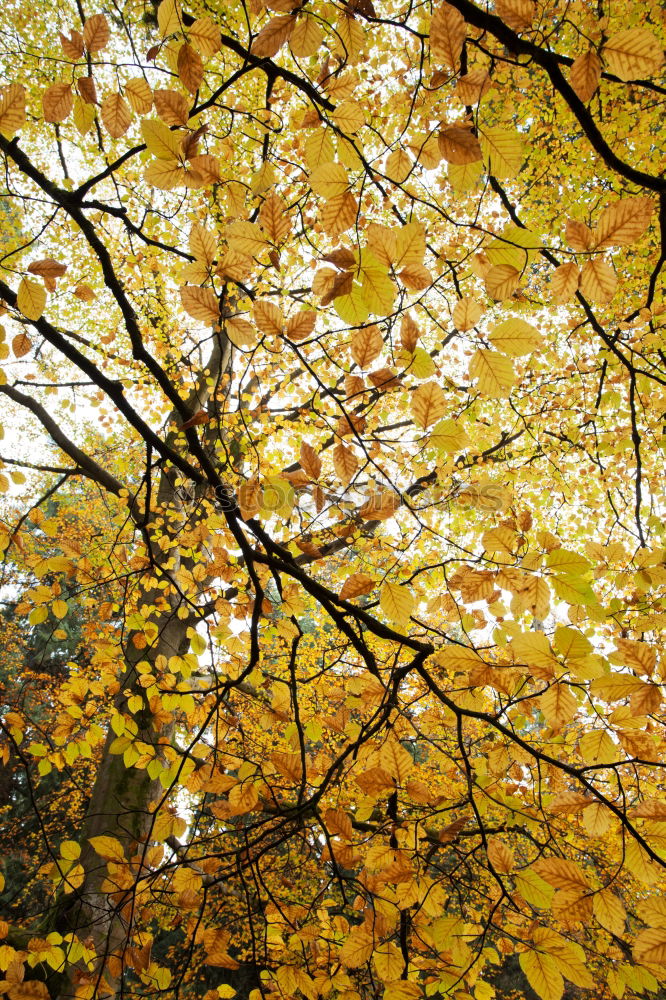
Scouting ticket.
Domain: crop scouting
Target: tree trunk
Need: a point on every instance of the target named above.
(123, 799)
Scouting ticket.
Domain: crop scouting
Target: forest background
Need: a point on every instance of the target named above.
(334, 570)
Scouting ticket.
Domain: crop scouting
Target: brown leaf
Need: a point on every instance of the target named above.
(384, 379)
(447, 35)
(585, 75)
(200, 417)
(343, 259)
(340, 285)
(518, 14)
(96, 33)
(459, 145)
(367, 344)
(116, 115)
(85, 293)
(471, 87)
(409, 333)
(309, 460)
(301, 325)
(171, 107)
(190, 67)
(21, 345)
(57, 102)
(564, 281)
(579, 235)
(273, 35)
(345, 463)
(72, 46)
(47, 268)
(86, 88)
(598, 280)
(356, 585)
(623, 222)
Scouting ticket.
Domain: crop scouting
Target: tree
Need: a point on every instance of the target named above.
(336, 382)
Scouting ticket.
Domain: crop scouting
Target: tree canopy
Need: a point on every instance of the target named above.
(334, 556)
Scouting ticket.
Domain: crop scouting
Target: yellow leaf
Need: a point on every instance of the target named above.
(535, 890)
(160, 140)
(12, 109)
(650, 946)
(449, 436)
(503, 151)
(515, 337)
(410, 245)
(428, 404)
(329, 179)
(349, 116)
(623, 223)
(168, 18)
(609, 911)
(139, 95)
(596, 747)
(558, 705)
(501, 281)
(633, 54)
(358, 948)
(108, 848)
(70, 850)
(206, 36)
(397, 603)
(200, 303)
(60, 609)
(542, 974)
(246, 237)
(421, 365)
(464, 176)
(388, 961)
(466, 313)
(31, 298)
(319, 149)
(653, 911)
(306, 38)
(84, 116)
(396, 761)
(494, 373)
